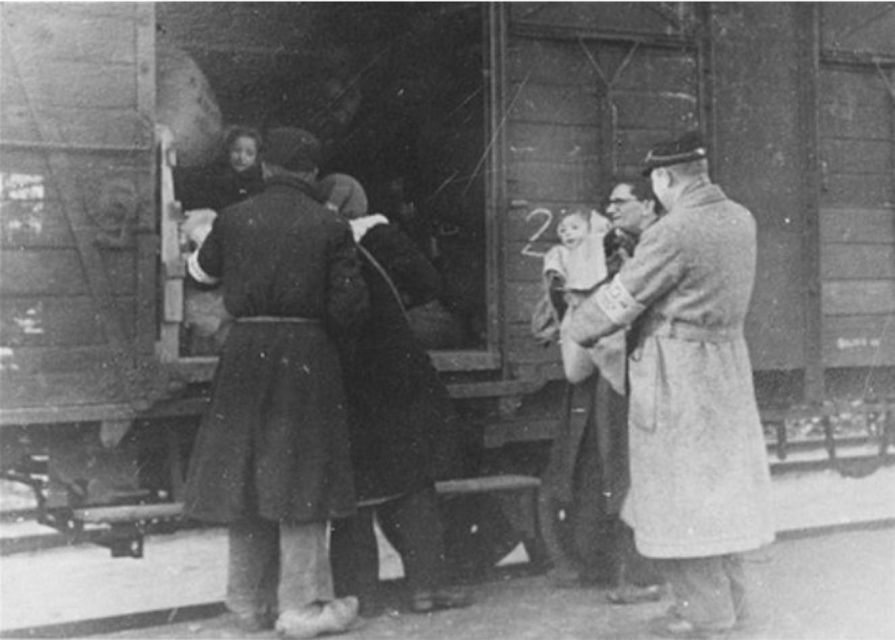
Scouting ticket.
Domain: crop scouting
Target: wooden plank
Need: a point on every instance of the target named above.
(521, 298)
(41, 272)
(857, 261)
(669, 110)
(25, 175)
(526, 350)
(606, 17)
(112, 127)
(848, 119)
(80, 84)
(146, 294)
(33, 224)
(527, 141)
(847, 93)
(859, 341)
(521, 265)
(29, 271)
(16, 122)
(144, 50)
(550, 62)
(633, 143)
(206, 25)
(38, 360)
(169, 510)
(858, 297)
(858, 26)
(465, 360)
(60, 390)
(544, 180)
(532, 102)
(60, 321)
(70, 33)
(871, 191)
(660, 72)
(487, 484)
(854, 224)
(49, 414)
(843, 155)
(172, 300)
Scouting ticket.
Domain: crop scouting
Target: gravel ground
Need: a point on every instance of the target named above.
(835, 586)
(838, 585)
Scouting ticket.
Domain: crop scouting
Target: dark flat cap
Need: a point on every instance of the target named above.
(687, 148)
(292, 148)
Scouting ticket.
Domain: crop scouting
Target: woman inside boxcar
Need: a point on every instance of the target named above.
(588, 475)
(204, 192)
(403, 426)
(238, 173)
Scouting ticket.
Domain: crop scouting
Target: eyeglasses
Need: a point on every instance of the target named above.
(620, 201)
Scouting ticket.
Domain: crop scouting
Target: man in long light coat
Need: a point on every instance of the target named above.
(700, 483)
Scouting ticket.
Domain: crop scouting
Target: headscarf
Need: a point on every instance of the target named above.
(345, 195)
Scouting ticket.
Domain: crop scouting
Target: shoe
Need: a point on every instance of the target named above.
(371, 607)
(428, 601)
(252, 622)
(564, 578)
(336, 616)
(670, 626)
(632, 594)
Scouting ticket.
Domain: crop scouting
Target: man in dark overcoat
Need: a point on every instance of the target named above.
(403, 427)
(700, 482)
(272, 459)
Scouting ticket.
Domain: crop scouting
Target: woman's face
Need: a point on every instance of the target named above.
(628, 212)
(572, 229)
(243, 153)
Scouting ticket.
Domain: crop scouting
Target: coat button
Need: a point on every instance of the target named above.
(636, 354)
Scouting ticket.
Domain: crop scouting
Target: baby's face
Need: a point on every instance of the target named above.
(572, 230)
(243, 153)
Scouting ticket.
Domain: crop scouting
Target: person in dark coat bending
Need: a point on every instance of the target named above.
(271, 459)
(403, 426)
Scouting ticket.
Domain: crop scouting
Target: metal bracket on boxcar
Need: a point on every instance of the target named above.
(847, 453)
(119, 528)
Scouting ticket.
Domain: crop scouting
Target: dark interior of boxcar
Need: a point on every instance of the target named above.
(395, 93)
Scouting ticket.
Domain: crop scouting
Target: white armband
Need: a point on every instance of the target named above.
(192, 265)
(617, 303)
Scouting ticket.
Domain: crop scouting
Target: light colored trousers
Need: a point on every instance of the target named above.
(710, 592)
(277, 566)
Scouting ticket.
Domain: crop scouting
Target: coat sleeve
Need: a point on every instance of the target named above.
(415, 277)
(206, 265)
(347, 300)
(658, 265)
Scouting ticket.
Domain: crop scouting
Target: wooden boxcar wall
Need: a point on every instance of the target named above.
(78, 246)
(796, 102)
(802, 107)
(587, 87)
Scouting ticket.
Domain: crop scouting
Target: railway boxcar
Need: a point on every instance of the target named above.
(475, 125)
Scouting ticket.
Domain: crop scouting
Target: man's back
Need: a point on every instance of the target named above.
(708, 244)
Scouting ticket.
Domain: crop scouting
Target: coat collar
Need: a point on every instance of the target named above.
(360, 226)
(699, 194)
(288, 179)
